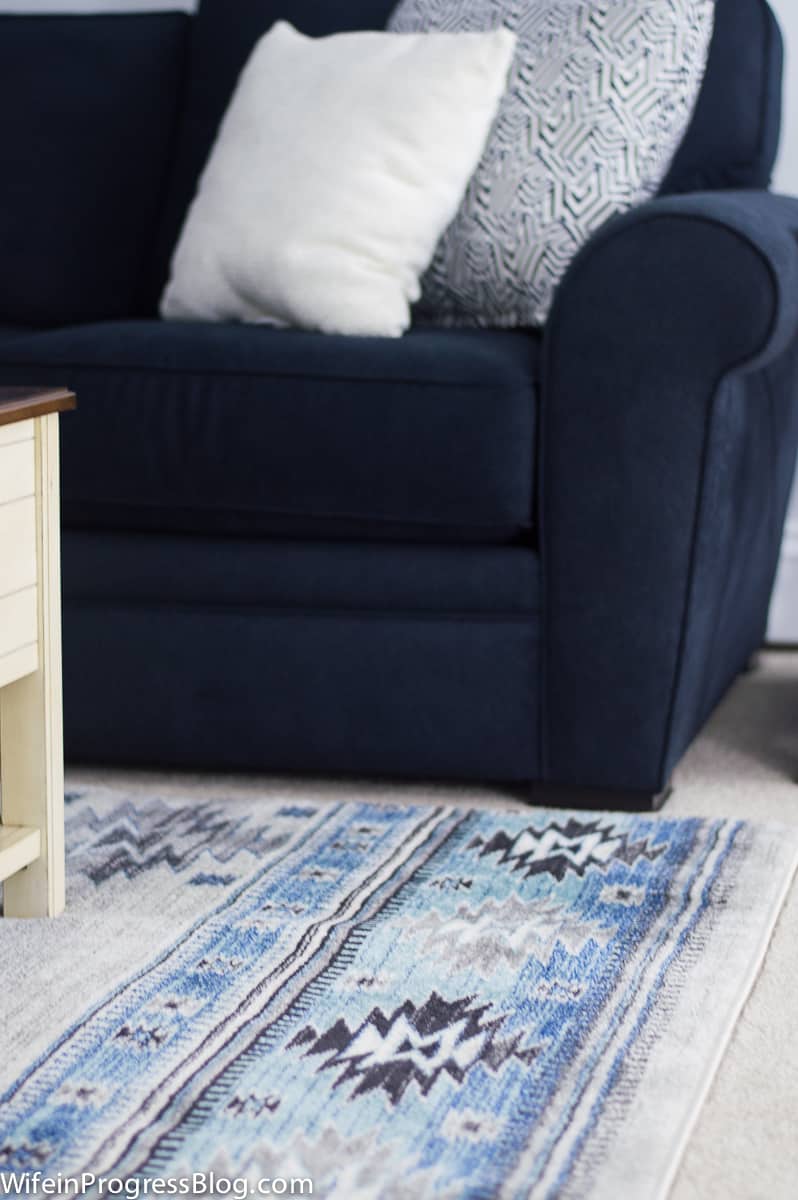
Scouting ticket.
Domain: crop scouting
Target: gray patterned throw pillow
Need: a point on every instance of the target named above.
(598, 100)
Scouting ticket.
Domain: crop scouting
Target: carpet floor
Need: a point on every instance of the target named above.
(745, 764)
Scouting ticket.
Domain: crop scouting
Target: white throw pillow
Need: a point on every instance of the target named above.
(598, 101)
(337, 167)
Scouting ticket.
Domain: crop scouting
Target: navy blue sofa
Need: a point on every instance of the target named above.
(512, 556)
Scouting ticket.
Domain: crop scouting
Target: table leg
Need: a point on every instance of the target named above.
(31, 736)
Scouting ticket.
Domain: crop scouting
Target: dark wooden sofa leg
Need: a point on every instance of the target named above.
(546, 795)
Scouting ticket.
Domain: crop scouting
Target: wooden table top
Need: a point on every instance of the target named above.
(22, 403)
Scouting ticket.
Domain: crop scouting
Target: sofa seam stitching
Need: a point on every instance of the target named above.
(476, 616)
(488, 388)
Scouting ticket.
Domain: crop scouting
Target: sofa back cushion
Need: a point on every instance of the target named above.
(732, 140)
(734, 135)
(89, 110)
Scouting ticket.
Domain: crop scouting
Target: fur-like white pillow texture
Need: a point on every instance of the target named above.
(337, 167)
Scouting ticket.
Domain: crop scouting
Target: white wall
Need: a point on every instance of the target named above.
(784, 609)
(787, 167)
(54, 6)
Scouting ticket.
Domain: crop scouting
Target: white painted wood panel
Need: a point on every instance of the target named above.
(19, 847)
(31, 729)
(18, 621)
(16, 471)
(17, 431)
(18, 541)
(18, 663)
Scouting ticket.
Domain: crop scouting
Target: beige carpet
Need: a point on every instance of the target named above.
(745, 763)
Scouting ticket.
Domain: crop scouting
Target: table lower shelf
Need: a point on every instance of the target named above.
(20, 845)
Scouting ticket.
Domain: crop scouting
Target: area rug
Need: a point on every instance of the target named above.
(377, 1001)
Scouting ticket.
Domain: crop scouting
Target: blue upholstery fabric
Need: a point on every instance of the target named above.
(261, 566)
(285, 576)
(219, 48)
(89, 109)
(241, 429)
(734, 135)
(669, 393)
(428, 685)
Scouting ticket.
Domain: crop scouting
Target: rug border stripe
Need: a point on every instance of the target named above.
(747, 984)
(603, 1039)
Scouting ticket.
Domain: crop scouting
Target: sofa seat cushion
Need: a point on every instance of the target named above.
(247, 430)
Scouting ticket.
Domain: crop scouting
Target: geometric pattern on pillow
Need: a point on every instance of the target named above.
(599, 97)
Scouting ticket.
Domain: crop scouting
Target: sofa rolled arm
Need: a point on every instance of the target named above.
(669, 426)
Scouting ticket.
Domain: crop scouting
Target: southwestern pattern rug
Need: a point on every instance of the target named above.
(393, 1002)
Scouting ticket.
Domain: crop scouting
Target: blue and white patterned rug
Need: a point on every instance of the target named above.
(392, 1002)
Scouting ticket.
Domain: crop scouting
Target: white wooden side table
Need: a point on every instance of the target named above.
(31, 739)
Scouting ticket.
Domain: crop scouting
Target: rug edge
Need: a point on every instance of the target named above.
(733, 1015)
